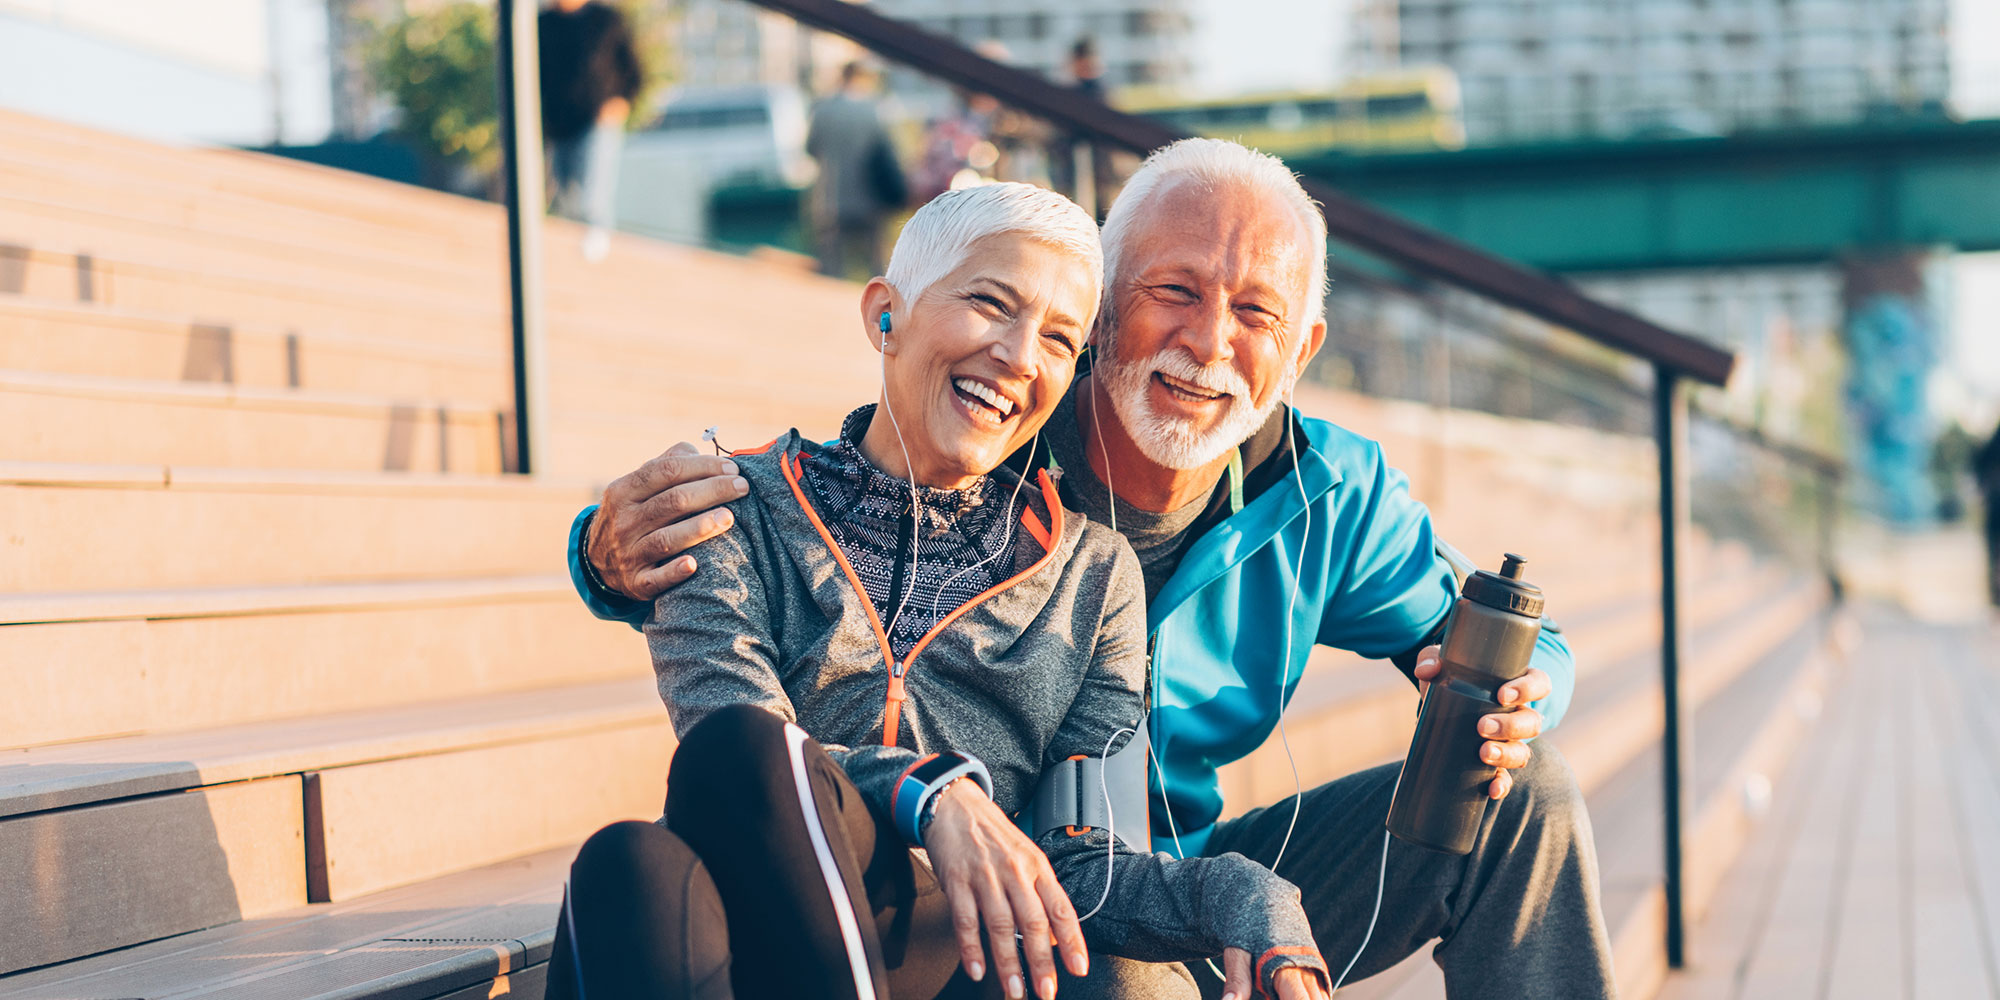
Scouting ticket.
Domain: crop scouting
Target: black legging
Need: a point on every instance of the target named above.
(742, 890)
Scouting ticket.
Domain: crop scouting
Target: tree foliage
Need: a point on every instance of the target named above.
(439, 66)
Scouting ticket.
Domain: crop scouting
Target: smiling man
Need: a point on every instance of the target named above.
(1260, 532)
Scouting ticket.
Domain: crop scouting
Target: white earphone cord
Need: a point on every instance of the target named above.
(1298, 789)
(916, 508)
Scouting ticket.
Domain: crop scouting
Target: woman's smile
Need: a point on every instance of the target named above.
(983, 402)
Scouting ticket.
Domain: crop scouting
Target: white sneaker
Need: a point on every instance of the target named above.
(596, 244)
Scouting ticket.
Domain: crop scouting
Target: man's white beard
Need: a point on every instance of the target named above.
(1176, 442)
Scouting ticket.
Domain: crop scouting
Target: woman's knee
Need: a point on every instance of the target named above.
(626, 853)
(728, 768)
(733, 738)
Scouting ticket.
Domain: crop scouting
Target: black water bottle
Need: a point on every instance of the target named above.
(1488, 641)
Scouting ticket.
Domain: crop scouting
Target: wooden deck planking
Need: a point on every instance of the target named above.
(1878, 872)
(1801, 817)
(1944, 929)
(1964, 708)
(1868, 940)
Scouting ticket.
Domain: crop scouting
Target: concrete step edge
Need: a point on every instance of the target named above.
(531, 878)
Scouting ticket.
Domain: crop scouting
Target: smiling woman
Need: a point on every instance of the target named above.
(901, 633)
(974, 363)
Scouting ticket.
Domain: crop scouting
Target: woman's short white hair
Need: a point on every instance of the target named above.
(1213, 163)
(939, 237)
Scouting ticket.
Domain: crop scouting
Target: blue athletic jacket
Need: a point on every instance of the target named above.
(1370, 581)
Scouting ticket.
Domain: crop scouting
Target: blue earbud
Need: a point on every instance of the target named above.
(883, 323)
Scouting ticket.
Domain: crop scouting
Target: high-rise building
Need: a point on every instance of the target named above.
(730, 43)
(1548, 69)
(1139, 41)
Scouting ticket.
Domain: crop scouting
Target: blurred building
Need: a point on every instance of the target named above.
(242, 72)
(1140, 42)
(1552, 69)
(733, 44)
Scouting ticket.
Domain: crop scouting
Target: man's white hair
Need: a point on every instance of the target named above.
(939, 237)
(1214, 163)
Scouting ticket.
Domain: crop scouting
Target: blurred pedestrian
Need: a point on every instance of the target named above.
(860, 180)
(981, 142)
(1086, 72)
(590, 77)
(1986, 468)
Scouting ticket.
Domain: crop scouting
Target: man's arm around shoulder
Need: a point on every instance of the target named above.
(631, 547)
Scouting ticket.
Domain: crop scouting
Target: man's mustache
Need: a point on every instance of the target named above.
(1179, 363)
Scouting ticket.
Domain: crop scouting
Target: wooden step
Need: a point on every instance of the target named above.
(76, 418)
(324, 189)
(324, 808)
(481, 933)
(338, 238)
(72, 527)
(1349, 720)
(1758, 725)
(102, 260)
(69, 339)
(130, 232)
(98, 664)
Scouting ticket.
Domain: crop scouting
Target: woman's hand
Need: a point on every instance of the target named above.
(992, 873)
(1507, 731)
(1292, 982)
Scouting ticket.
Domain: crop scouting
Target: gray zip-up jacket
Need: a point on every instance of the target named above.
(1046, 666)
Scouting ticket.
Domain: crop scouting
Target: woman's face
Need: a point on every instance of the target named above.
(976, 364)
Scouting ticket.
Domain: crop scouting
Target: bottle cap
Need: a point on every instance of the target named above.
(1505, 590)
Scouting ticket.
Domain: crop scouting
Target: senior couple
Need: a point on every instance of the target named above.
(877, 648)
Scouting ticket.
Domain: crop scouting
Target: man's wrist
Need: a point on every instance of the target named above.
(590, 574)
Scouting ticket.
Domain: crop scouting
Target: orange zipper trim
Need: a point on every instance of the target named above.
(892, 707)
(1048, 552)
(867, 605)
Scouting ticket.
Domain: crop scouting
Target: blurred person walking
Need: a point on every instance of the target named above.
(860, 181)
(1087, 72)
(1986, 468)
(590, 77)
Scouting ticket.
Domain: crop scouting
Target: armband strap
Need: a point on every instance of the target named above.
(925, 779)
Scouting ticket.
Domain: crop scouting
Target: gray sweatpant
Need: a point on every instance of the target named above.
(1518, 917)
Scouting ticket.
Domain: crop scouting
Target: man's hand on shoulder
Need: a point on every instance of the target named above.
(653, 514)
(1507, 731)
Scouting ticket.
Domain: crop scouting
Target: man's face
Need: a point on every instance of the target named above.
(1209, 329)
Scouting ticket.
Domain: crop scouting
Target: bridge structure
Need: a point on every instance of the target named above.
(1755, 199)
(1877, 201)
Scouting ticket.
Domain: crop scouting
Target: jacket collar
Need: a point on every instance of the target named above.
(839, 597)
(1225, 542)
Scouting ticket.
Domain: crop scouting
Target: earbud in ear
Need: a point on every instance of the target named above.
(883, 323)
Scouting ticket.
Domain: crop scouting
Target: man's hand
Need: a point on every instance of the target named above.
(1293, 983)
(1507, 732)
(651, 515)
(992, 872)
